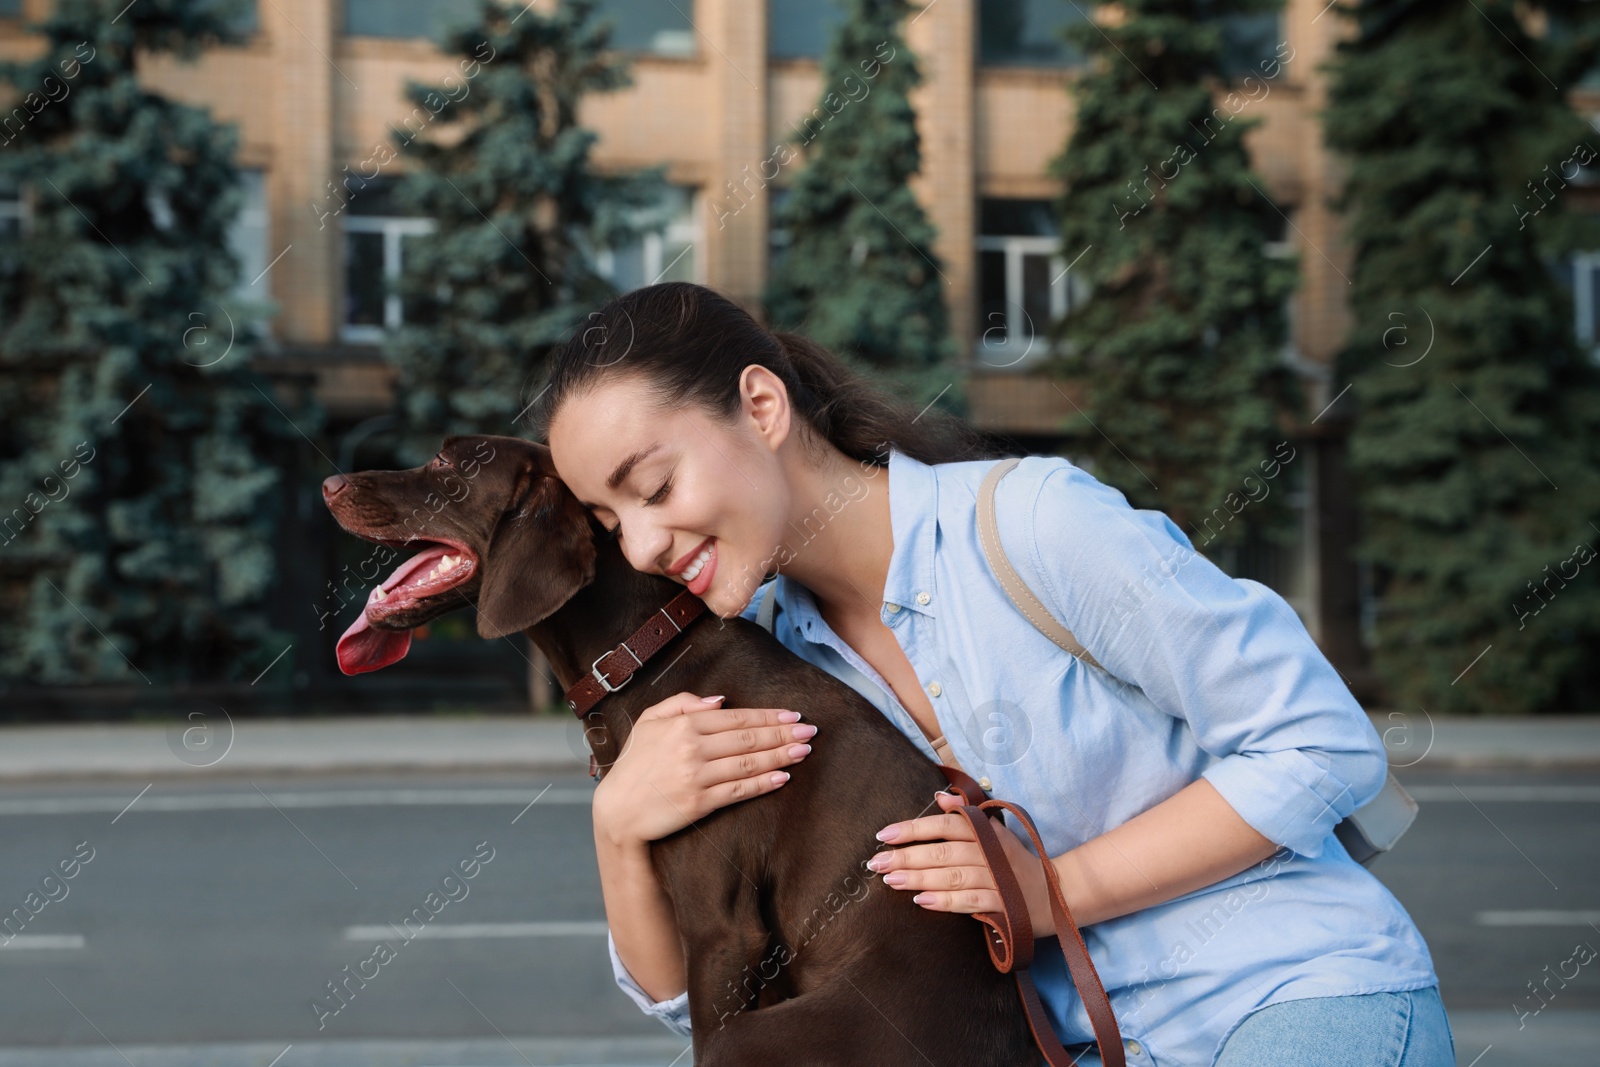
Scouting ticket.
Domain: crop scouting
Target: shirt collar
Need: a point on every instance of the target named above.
(913, 518)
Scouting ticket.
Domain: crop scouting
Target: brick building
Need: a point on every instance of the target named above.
(718, 84)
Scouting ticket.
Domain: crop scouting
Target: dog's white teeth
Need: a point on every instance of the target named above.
(379, 595)
(447, 564)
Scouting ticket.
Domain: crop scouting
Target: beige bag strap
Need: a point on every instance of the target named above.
(1010, 580)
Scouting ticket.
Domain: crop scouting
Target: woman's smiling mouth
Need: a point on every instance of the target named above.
(697, 573)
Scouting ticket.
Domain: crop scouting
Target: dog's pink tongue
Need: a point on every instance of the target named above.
(362, 648)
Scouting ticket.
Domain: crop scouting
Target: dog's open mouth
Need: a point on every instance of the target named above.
(437, 569)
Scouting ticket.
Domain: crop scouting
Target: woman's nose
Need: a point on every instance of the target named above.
(645, 547)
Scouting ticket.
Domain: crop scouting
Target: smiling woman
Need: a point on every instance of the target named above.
(711, 448)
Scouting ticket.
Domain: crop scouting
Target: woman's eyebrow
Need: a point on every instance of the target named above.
(628, 463)
(625, 468)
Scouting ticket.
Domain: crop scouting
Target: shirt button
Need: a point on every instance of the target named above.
(1133, 1047)
(987, 785)
(934, 689)
(893, 608)
(923, 598)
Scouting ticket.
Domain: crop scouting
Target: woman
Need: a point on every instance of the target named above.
(1186, 793)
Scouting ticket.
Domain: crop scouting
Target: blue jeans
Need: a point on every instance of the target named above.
(1408, 1029)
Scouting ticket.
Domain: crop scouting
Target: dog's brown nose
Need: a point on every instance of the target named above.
(333, 486)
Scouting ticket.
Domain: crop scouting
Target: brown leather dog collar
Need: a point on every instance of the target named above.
(611, 670)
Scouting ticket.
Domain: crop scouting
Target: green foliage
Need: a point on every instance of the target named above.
(139, 486)
(860, 276)
(1476, 417)
(1180, 346)
(520, 213)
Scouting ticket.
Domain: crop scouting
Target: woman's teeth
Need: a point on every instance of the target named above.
(692, 571)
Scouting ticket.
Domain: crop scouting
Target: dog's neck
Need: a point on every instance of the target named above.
(618, 601)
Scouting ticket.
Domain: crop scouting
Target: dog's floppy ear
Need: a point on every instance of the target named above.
(541, 553)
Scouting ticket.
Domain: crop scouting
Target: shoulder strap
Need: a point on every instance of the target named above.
(1010, 580)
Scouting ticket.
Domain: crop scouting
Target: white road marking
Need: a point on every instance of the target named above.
(1517, 793)
(348, 798)
(41, 941)
(1537, 918)
(452, 931)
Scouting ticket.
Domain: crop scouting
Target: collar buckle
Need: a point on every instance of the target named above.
(605, 683)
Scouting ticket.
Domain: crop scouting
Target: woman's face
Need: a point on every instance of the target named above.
(688, 496)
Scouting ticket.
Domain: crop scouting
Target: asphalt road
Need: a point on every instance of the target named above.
(219, 913)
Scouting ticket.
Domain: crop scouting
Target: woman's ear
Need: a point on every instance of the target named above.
(766, 403)
(541, 552)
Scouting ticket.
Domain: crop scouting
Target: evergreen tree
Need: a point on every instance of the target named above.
(1476, 418)
(139, 481)
(860, 275)
(520, 215)
(1180, 346)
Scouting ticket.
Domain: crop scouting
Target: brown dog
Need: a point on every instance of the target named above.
(797, 953)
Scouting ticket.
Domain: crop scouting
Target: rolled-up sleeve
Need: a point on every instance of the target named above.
(1295, 751)
(674, 1013)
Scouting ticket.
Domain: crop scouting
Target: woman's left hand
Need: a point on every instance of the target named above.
(949, 874)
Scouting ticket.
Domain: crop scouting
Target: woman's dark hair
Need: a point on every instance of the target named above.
(691, 343)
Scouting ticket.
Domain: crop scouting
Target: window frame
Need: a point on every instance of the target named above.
(394, 228)
(1015, 247)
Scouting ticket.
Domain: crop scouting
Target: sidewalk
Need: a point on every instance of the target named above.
(556, 745)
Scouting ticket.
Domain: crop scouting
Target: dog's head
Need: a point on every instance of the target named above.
(495, 527)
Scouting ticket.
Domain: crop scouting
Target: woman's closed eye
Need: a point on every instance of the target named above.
(655, 498)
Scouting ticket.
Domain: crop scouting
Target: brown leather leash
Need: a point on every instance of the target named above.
(1010, 931)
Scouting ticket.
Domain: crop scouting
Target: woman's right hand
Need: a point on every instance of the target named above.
(686, 757)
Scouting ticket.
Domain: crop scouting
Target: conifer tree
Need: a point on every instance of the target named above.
(520, 215)
(1476, 419)
(860, 275)
(1180, 344)
(139, 456)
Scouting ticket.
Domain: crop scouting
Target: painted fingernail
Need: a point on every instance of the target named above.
(878, 862)
(804, 732)
(788, 716)
(712, 700)
(920, 898)
(796, 751)
(888, 833)
(779, 777)
(895, 878)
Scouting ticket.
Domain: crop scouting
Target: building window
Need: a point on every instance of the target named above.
(248, 235)
(1023, 283)
(801, 28)
(1585, 280)
(1250, 44)
(1028, 33)
(666, 253)
(407, 18)
(240, 14)
(247, 240)
(375, 236)
(656, 27)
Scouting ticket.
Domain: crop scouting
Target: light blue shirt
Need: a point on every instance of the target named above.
(1214, 677)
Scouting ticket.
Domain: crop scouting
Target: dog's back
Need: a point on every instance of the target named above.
(796, 951)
